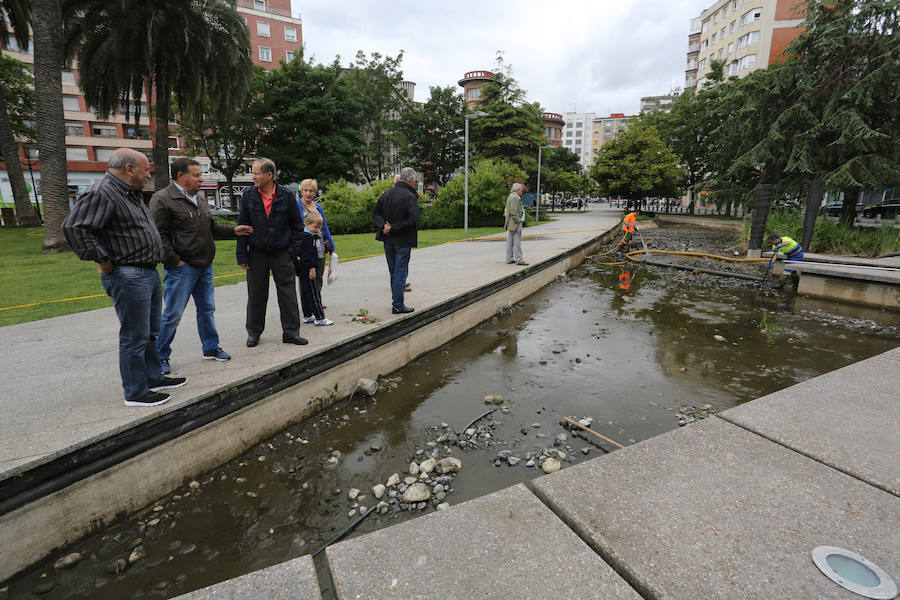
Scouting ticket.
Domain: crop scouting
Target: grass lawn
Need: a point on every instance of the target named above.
(36, 286)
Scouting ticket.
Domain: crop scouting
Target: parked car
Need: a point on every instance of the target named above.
(888, 210)
(833, 209)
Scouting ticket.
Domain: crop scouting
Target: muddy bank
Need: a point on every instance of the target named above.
(629, 360)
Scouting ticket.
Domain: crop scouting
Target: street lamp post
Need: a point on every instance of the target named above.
(468, 117)
(537, 202)
(37, 205)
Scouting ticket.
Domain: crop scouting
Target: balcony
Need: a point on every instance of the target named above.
(694, 47)
(266, 7)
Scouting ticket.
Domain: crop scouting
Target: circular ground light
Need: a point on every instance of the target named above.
(854, 572)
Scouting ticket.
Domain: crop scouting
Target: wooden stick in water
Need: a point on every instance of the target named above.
(599, 435)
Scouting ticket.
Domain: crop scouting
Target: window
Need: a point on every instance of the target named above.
(136, 108)
(731, 48)
(473, 93)
(733, 68)
(259, 4)
(734, 6)
(262, 28)
(749, 39)
(265, 54)
(751, 16)
(747, 62)
(76, 154)
(288, 55)
(705, 27)
(74, 129)
(569, 133)
(290, 34)
(15, 46)
(722, 35)
(704, 44)
(71, 103)
(104, 154)
(68, 78)
(715, 18)
(173, 142)
(140, 133)
(713, 41)
(32, 152)
(725, 11)
(703, 64)
(107, 131)
(579, 125)
(733, 26)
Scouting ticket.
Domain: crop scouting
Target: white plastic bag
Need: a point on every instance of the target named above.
(332, 268)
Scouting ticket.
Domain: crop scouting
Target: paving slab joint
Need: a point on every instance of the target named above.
(619, 567)
(849, 473)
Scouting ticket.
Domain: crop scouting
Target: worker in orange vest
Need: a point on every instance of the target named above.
(629, 225)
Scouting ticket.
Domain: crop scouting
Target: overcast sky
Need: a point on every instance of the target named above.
(595, 56)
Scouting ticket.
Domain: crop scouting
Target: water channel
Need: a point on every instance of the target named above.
(637, 355)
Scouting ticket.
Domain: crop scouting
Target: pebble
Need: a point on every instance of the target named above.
(443, 506)
(413, 468)
(136, 555)
(409, 480)
(536, 425)
(393, 480)
(551, 465)
(585, 451)
(449, 465)
(114, 567)
(493, 399)
(719, 338)
(68, 561)
(512, 460)
(530, 462)
(470, 431)
(417, 492)
(194, 484)
(428, 465)
(351, 513)
(378, 490)
(562, 437)
(43, 588)
(352, 493)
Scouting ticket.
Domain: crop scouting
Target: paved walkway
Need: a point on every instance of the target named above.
(67, 392)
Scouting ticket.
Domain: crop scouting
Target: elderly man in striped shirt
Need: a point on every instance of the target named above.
(110, 225)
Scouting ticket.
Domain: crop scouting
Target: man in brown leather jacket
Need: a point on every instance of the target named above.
(187, 230)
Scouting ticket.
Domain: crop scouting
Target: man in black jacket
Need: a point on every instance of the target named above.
(396, 216)
(188, 231)
(273, 213)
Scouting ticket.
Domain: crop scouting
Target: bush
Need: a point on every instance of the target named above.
(829, 237)
(489, 184)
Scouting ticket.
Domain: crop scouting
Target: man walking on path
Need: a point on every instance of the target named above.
(110, 225)
(272, 212)
(515, 216)
(396, 217)
(187, 230)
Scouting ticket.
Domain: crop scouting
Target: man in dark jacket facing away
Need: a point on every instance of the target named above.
(273, 213)
(187, 230)
(396, 216)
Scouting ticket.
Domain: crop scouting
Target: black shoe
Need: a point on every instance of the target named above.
(149, 399)
(402, 311)
(522, 263)
(168, 383)
(294, 339)
(252, 340)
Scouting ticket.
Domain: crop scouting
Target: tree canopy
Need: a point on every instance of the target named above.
(637, 165)
(431, 135)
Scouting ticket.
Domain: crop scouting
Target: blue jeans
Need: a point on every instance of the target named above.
(182, 283)
(137, 296)
(398, 266)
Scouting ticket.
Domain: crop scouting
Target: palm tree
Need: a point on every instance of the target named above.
(51, 130)
(18, 13)
(186, 49)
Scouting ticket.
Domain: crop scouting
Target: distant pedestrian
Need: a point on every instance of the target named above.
(307, 203)
(629, 226)
(514, 214)
(188, 230)
(273, 213)
(312, 247)
(110, 225)
(396, 218)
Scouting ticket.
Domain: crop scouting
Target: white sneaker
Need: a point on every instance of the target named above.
(324, 322)
(309, 320)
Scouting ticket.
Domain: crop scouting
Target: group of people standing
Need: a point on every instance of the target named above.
(112, 225)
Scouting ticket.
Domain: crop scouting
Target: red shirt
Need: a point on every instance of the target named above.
(267, 200)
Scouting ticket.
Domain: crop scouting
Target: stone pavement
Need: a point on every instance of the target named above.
(67, 392)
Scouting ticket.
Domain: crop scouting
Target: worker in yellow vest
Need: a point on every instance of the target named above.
(629, 225)
(791, 250)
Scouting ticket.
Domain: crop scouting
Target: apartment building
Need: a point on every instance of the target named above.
(578, 135)
(275, 34)
(471, 84)
(746, 34)
(606, 129)
(659, 103)
(553, 128)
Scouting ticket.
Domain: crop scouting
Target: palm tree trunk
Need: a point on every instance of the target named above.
(161, 143)
(25, 215)
(51, 131)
